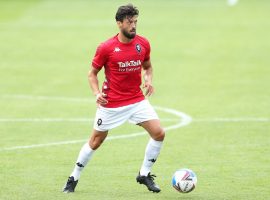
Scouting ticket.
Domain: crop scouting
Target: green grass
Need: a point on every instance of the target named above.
(210, 61)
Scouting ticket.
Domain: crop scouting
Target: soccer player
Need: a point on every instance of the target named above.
(124, 57)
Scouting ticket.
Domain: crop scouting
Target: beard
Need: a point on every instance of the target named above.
(129, 35)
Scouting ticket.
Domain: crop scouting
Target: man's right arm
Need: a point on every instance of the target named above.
(93, 82)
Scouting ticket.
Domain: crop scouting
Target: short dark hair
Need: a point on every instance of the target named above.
(126, 11)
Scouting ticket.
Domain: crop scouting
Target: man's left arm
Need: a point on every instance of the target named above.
(147, 76)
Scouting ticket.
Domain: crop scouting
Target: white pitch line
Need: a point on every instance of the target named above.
(46, 98)
(46, 120)
(42, 145)
(247, 119)
(87, 120)
(55, 120)
(183, 120)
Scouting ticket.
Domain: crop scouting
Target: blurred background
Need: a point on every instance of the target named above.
(210, 46)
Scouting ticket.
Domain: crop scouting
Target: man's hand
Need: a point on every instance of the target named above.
(100, 99)
(149, 89)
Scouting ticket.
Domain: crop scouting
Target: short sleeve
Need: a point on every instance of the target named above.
(100, 57)
(147, 50)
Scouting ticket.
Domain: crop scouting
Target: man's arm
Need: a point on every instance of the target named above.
(93, 82)
(148, 75)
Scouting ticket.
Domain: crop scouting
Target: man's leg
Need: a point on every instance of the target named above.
(151, 153)
(85, 155)
(154, 145)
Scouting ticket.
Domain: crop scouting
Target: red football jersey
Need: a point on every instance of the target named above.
(123, 65)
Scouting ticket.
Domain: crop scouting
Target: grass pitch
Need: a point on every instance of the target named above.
(210, 61)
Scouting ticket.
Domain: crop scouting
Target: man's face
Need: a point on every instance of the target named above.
(128, 26)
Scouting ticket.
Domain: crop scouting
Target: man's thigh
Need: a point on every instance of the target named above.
(143, 112)
(109, 118)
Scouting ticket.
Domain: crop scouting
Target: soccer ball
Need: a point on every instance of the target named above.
(184, 180)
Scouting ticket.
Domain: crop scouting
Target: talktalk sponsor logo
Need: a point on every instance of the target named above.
(131, 63)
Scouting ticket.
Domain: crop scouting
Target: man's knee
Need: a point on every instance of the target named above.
(160, 135)
(94, 144)
(96, 140)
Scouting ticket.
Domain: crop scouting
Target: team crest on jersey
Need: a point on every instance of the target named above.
(138, 48)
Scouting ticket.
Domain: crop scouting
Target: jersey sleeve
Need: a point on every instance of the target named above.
(100, 57)
(147, 51)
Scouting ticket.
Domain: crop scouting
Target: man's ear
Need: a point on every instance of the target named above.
(119, 23)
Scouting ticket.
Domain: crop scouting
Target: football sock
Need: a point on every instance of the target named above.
(83, 158)
(151, 153)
